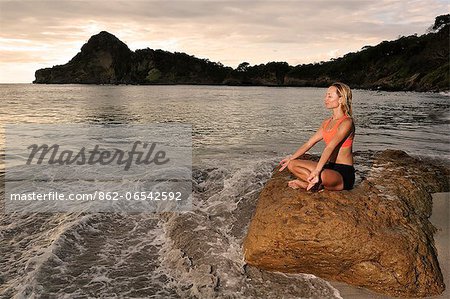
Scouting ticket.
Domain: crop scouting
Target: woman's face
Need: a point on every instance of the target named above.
(331, 98)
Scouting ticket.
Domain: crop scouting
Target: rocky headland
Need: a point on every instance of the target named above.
(376, 236)
(414, 63)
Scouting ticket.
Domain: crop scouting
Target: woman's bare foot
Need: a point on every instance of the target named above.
(295, 184)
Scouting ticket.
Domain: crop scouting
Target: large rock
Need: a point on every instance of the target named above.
(376, 236)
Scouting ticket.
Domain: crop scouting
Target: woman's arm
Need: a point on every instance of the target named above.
(303, 149)
(308, 144)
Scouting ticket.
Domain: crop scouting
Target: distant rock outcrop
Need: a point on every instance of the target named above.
(376, 236)
(103, 59)
(418, 63)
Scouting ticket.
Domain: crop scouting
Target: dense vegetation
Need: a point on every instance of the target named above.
(413, 62)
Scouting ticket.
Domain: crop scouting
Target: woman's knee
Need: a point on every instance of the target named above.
(296, 162)
(332, 181)
(295, 165)
(292, 164)
(307, 164)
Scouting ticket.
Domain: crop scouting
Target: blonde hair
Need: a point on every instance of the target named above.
(344, 91)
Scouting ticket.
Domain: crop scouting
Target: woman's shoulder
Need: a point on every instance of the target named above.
(347, 121)
(349, 125)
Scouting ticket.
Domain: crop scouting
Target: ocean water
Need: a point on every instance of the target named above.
(239, 135)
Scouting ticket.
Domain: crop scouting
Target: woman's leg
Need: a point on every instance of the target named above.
(301, 169)
(330, 179)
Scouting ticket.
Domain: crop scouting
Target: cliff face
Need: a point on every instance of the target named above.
(418, 63)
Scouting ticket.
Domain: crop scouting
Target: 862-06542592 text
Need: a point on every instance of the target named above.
(100, 195)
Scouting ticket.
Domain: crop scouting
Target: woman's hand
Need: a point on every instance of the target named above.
(313, 179)
(285, 162)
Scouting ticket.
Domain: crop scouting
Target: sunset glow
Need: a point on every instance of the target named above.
(42, 34)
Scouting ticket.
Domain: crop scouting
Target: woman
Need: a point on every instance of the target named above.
(335, 170)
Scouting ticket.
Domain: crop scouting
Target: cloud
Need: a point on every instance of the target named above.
(226, 31)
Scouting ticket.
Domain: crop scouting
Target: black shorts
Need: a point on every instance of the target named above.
(347, 172)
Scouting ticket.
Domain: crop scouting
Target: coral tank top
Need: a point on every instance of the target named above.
(328, 135)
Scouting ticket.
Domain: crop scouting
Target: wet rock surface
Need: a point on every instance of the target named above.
(376, 236)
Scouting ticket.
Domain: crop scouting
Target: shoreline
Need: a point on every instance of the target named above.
(440, 218)
(245, 85)
(444, 91)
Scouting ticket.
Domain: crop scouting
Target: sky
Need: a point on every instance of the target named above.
(37, 34)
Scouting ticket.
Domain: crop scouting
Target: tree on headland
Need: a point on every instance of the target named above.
(243, 67)
(439, 23)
